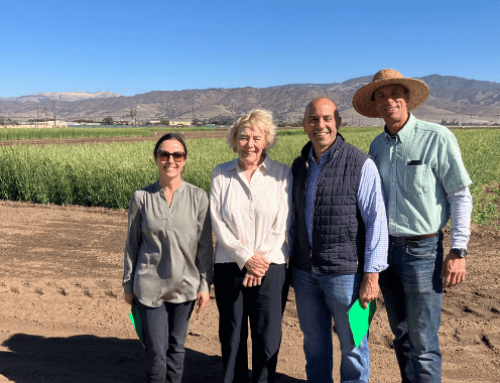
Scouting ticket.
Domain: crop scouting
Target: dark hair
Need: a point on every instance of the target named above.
(170, 136)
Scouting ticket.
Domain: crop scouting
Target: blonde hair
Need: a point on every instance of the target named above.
(255, 119)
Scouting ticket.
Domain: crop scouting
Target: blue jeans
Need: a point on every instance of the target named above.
(320, 297)
(412, 289)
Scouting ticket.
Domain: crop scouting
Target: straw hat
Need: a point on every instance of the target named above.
(363, 103)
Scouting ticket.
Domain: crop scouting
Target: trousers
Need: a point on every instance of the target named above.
(164, 331)
(261, 305)
(413, 289)
(319, 298)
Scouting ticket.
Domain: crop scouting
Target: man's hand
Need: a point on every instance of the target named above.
(369, 289)
(202, 300)
(257, 265)
(251, 280)
(453, 270)
(129, 298)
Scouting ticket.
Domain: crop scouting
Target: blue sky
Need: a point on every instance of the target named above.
(132, 47)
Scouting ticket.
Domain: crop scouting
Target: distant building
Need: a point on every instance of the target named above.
(50, 123)
(83, 124)
(180, 123)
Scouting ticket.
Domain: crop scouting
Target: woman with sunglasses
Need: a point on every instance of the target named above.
(250, 208)
(168, 259)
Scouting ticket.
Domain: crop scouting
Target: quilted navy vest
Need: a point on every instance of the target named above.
(338, 228)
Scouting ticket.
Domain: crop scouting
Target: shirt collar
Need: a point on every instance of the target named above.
(324, 157)
(266, 164)
(327, 155)
(406, 132)
(157, 188)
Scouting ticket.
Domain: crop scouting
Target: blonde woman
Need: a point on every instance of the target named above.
(249, 204)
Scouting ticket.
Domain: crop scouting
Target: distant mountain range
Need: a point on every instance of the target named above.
(60, 96)
(451, 99)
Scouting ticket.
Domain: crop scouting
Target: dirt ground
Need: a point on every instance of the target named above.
(63, 318)
(94, 141)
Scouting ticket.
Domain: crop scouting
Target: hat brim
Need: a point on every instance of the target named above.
(364, 105)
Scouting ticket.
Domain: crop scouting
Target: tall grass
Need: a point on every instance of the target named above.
(481, 155)
(108, 174)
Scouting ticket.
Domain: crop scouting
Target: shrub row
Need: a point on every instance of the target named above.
(108, 174)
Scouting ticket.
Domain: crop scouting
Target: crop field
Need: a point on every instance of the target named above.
(108, 174)
(90, 132)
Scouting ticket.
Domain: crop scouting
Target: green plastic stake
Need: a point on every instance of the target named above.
(135, 318)
(360, 319)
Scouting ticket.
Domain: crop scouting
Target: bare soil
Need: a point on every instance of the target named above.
(63, 318)
(94, 141)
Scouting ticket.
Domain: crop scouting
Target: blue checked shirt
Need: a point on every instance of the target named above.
(371, 205)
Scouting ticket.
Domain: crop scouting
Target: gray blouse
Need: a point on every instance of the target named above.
(169, 250)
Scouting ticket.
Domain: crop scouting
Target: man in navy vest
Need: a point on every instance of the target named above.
(426, 183)
(338, 242)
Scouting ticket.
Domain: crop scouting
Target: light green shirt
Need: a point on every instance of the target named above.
(415, 195)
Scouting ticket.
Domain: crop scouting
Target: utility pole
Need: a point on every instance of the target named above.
(133, 114)
(54, 113)
(37, 116)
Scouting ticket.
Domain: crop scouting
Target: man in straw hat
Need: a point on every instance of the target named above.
(425, 183)
(338, 242)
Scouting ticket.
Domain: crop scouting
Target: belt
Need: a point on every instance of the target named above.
(410, 241)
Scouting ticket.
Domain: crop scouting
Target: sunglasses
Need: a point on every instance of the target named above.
(163, 155)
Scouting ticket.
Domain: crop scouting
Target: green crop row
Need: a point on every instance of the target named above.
(108, 174)
(90, 132)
